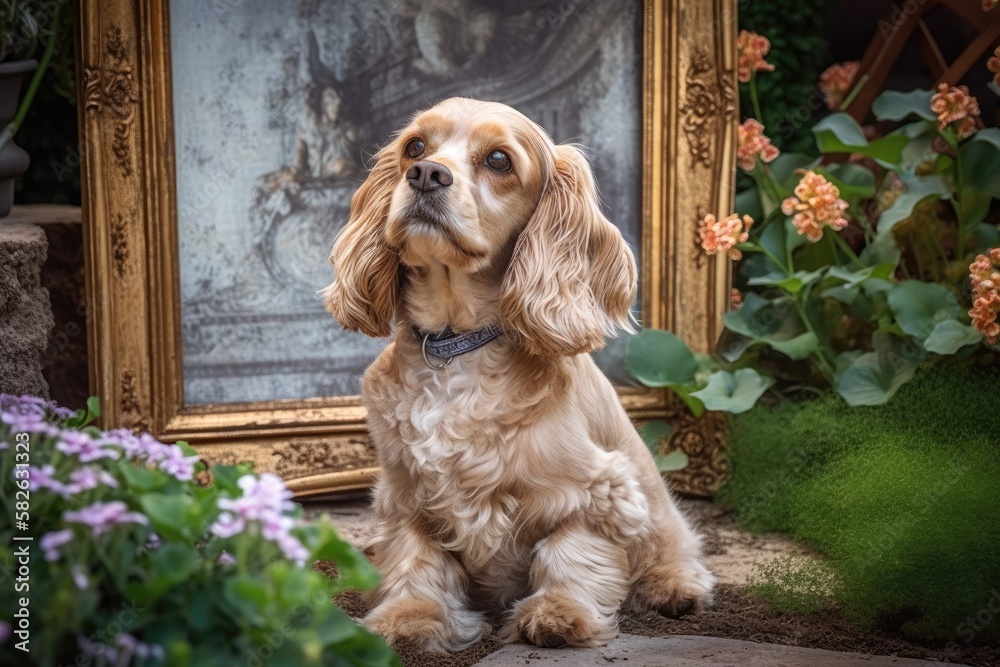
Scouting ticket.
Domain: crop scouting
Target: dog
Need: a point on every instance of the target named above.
(512, 479)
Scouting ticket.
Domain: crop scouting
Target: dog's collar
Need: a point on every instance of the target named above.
(447, 344)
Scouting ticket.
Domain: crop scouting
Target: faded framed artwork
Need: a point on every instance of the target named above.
(239, 131)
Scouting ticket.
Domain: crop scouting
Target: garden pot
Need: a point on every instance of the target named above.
(13, 159)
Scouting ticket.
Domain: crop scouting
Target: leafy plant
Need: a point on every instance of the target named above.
(131, 562)
(859, 262)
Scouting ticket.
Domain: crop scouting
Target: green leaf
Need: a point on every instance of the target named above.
(685, 393)
(734, 392)
(950, 336)
(660, 359)
(675, 460)
(855, 278)
(873, 378)
(784, 167)
(249, 596)
(356, 573)
(882, 250)
(980, 179)
(175, 562)
(773, 323)
(791, 284)
(893, 105)
(918, 306)
(175, 517)
(748, 203)
(839, 133)
(917, 190)
(854, 181)
(796, 348)
(990, 135)
(654, 432)
(142, 479)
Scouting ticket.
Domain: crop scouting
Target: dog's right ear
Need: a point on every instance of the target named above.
(366, 270)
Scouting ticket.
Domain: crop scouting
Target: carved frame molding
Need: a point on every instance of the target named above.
(320, 445)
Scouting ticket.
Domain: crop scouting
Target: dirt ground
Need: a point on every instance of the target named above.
(729, 552)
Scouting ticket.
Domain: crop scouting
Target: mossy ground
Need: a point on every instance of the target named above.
(903, 499)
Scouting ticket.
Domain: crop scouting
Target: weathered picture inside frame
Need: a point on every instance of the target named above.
(278, 109)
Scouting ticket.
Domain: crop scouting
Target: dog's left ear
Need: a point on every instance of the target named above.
(366, 269)
(572, 278)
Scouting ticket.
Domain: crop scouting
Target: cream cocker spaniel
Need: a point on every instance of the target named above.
(512, 479)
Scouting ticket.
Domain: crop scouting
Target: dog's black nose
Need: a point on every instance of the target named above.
(426, 176)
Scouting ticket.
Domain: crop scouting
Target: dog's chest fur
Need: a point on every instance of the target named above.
(460, 429)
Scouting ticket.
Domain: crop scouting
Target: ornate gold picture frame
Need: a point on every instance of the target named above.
(319, 445)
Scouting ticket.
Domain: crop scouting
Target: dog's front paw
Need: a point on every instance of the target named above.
(425, 624)
(554, 621)
(674, 589)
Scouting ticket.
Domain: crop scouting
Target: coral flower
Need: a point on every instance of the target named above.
(993, 65)
(816, 204)
(836, 82)
(752, 49)
(954, 104)
(985, 279)
(751, 142)
(723, 235)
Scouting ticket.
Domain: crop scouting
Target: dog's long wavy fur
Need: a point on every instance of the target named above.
(511, 479)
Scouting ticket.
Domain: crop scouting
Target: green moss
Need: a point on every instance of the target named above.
(904, 499)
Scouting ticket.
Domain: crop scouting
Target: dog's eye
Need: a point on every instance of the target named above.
(415, 148)
(498, 161)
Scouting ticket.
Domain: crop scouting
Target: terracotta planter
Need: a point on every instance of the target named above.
(13, 159)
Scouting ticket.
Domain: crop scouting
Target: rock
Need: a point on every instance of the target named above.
(25, 313)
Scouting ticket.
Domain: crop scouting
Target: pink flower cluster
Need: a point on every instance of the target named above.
(954, 104)
(264, 500)
(985, 279)
(168, 458)
(751, 142)
(81, 479)
(835, 83)
(816, 204)
(751, 49)
(30, 414)
(102, 517)
(723, 235)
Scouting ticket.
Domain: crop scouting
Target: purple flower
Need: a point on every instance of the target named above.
(175, 463)
(90, 477)
(83, 446)
(79, 578)
(227, 525)
(44, 478)
(123, 438)
(153, 542)
(264, 499)
(225, 558)
(4, 631)
(293, 549)
(52, 542)
(102, 517)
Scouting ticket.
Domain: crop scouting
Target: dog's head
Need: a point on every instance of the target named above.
(479, 188)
